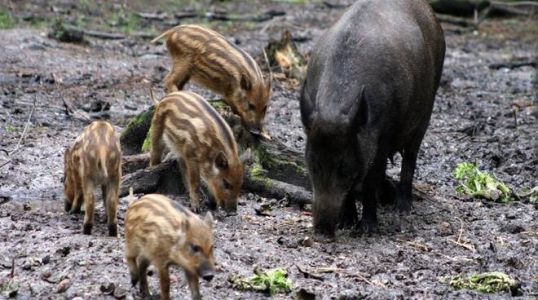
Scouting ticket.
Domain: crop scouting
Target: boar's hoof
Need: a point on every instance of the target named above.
(368, 226)
(87, 228)
(348, 219)
(403, 204)
(113, 230)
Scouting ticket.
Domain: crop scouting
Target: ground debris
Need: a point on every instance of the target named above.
(270, 282)
(489, 282)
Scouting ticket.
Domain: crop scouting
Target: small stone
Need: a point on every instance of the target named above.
(26, 207)
(307, 242)
(46, 259)
(63, 285)
(107, 289)
(120, 292)
(445, 229)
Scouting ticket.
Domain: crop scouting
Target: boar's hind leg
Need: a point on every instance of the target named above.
(192, 178)
(143, 264)
(133, 269)
(193, 285)
(164, 280)
(409, 162)
(177, 77)
(348, 214)
(89, 204)
(111, 207)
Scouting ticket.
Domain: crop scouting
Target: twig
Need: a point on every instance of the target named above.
(466, 246)
(12, 273)
(309, 274)
(514, 64)
(416, 245)
(25, 129)
(461, 230)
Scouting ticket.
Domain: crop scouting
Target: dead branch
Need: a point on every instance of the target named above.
(514, 64)
(104, 35)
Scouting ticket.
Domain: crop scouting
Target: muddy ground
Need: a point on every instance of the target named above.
(481, 115)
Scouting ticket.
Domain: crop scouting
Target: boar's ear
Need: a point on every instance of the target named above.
(245, 83)
(221, 161)
(358, 111)
(208, 219)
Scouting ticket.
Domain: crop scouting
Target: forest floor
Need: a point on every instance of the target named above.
(482, 115)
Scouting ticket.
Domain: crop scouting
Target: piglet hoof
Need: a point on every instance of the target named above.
(368, 227)
(113, 230)
(87, 229)
(67, 207)
(134, 281)
(195, 209)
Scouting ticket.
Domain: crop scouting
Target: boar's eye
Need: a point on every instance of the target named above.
(226, 185)
(195, 248)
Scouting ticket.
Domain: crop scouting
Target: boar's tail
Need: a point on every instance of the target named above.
(101, 164)
(164, 34)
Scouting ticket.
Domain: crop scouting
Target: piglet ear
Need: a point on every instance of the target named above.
(208, 219)
(185, 225)
(221, 162)
(245, 83)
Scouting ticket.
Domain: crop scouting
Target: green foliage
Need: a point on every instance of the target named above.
(489, 282)
(9, 128)
(146, 146)
(6, 21)
(476, 183)
(270, 282)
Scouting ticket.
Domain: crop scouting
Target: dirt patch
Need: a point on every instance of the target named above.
(476, 118)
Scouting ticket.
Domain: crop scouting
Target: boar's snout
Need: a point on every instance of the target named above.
(230, 207)
(208, 276)
(326, 209)
(206, 271)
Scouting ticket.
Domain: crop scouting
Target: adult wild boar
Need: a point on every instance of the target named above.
(368, 93)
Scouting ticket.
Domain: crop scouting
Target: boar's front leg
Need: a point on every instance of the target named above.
(348, 215)
(368, 223)
(193, 285)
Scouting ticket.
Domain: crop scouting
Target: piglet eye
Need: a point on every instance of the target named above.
(251, 106)
(226, 185)
(195, 248)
